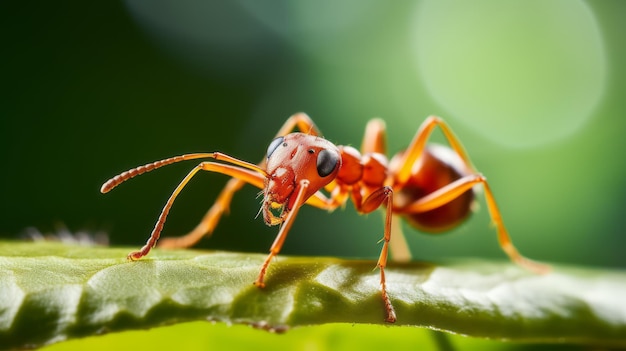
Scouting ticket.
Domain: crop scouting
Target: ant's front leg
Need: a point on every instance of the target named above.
(282, 233)
(300, 121)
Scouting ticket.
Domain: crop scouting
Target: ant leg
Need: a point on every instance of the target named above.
(399, 248)
(375, 140)
(371, 203)
(417, 145)
(210, 219)
(453, 190)
(302, 122)
(282, 233)
(243, 174)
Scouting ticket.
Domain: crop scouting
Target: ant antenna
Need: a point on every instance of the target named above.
(131, 173)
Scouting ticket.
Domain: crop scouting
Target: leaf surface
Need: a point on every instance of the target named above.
(51, 292)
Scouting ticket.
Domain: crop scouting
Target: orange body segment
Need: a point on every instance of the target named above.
(430, 186)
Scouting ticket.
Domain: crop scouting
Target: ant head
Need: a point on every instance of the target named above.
(291, 159)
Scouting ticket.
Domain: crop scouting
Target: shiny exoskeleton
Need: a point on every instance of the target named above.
(431, 186)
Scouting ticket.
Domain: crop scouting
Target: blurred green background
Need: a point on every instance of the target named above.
(535, 90)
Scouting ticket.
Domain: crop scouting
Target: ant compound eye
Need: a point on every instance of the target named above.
(327, 161)
(274, 145)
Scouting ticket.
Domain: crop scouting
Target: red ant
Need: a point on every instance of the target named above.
(431, 186)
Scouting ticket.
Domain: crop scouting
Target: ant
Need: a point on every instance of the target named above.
(431, 186)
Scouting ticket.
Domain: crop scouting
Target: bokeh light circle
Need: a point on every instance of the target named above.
(522, 73)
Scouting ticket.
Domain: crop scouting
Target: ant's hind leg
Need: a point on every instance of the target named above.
(418, 144)
(455, 189)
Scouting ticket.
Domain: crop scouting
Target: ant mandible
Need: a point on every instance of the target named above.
(431, 186)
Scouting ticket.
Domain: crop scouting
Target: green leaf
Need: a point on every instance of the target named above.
(332, 336)
(51, 292)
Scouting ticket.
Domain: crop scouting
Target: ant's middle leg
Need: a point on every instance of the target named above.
(375, 141)
(377, 198)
